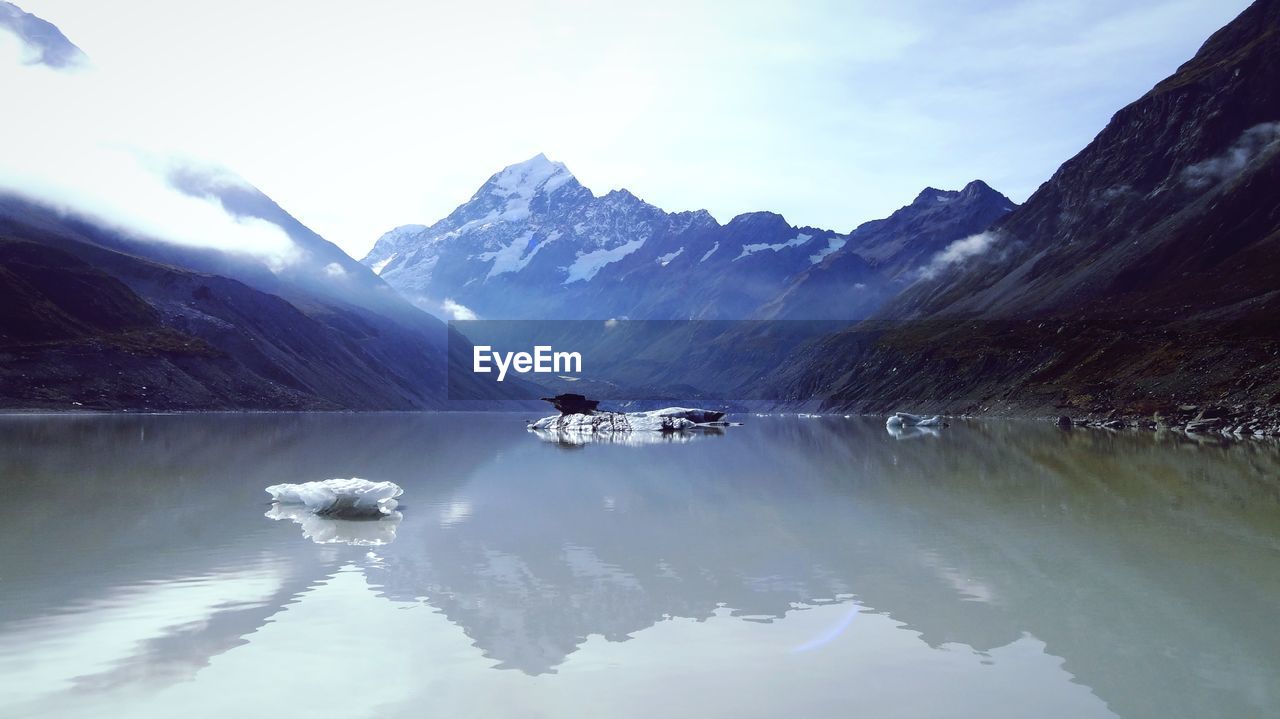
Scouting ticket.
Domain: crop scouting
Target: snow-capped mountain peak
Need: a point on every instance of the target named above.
(532, 242)
(519, 183)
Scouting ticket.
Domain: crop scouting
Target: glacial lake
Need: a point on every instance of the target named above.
(790, 567)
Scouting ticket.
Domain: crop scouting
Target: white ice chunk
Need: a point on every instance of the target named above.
(341, 498)
(904, 419)
(697, 416)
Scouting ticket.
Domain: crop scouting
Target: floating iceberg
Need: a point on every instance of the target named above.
(613, 422)
(697, 416)
(903, 419)
(327, 530)
(340, 498)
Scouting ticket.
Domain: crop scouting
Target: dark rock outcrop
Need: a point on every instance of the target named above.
(572, 404)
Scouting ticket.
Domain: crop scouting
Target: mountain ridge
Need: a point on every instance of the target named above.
(1140, 277)
(534, 243)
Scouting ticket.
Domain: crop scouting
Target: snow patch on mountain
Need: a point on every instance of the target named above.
(667, 258)
(589, 263)
(834, 243)
(381, 265)
(748, 250)
(512, 257)
(519, 183)
(710, 252)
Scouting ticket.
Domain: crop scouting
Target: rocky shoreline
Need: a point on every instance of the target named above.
(1233, 422)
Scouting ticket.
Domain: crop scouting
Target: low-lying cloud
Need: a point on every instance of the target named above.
(1251, 144)
(58, 150)
(457, 311)
(957, 253)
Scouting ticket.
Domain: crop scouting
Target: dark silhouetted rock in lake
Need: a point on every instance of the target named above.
(572, 404)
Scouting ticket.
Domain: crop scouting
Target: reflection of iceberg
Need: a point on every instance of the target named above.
(900, 432)
(903, 419)
(567, 438)
(327, 530)
(612, 422)
(340, 498)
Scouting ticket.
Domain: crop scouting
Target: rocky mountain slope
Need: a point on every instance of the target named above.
(45, 42)
(97, 316)
(96, 319)
(1141, 276)
(534, 243)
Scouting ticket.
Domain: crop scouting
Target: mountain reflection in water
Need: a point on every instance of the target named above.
(1008, 568)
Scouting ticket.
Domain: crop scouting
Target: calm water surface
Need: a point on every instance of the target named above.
(790, 567)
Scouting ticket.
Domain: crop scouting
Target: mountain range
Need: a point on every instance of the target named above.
(1141, 275)
(534, 243)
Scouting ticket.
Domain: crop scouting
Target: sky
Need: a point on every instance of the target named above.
(358, 117)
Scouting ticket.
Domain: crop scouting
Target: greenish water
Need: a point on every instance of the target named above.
(789, 567)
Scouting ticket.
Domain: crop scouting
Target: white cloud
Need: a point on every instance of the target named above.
(333, 269)
(956, 253)
(1252, 143)
(59, 148)
(830, 113)
(457, 311)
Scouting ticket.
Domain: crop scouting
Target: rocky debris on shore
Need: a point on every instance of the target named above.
(905, 419)
(1237, 421)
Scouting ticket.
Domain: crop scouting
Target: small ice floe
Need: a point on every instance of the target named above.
(903, 419)
(327, 530)
(340, 498)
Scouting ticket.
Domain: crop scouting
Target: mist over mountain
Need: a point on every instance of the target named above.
(98, 319)
(136, 280)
